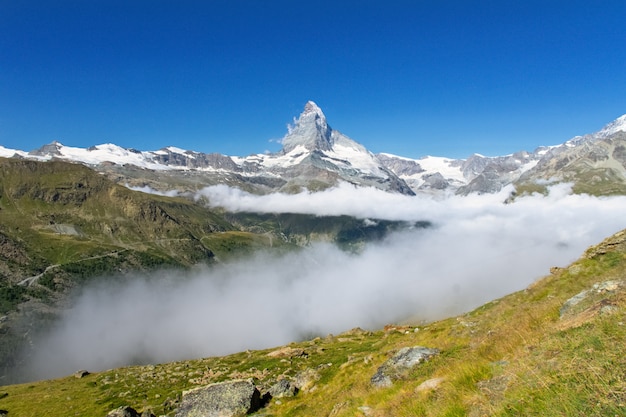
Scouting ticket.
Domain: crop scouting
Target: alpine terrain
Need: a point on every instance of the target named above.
(315, 157)
(76, 223)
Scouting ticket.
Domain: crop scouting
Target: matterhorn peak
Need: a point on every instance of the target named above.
(310, 130)
(311, 108)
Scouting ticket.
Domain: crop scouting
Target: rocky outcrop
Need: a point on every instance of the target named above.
(124, 411)
(287, 352)
(403, 361)
(283, 388)
(225, 399)
(305, 380)
(81, 374)
(600, 299)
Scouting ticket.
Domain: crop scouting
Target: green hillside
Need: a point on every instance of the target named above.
(63, 225)
(555, 348)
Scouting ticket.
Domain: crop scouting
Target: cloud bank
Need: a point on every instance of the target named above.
(479, 249)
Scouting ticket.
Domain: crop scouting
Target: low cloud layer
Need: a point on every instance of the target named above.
(478, 249)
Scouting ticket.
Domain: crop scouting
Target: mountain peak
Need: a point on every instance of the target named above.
(617, 125)
(51, 149)
(311, 108)
(310, 130)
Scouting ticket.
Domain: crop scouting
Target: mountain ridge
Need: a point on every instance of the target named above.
(315, 156)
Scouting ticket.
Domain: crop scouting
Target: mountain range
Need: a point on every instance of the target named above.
(315, 157)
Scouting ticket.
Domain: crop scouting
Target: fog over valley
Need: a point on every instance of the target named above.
(478, 249)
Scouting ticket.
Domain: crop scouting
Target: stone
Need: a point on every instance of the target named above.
(367, 411)
(305, 380)
(224, 399)
(123, 411)
(81, 374)
(429, 384)
(283, 388)
(403, 361)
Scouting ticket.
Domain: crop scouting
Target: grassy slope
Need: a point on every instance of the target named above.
(58, 213)
(66, 224)
(513, 356)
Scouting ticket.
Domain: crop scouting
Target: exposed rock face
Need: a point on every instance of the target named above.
(435, 181)
(310, 131)
(395, 368)
(226, 399)
(601, 298)
(401, 166)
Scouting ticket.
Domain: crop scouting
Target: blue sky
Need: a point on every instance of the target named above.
(413, 78)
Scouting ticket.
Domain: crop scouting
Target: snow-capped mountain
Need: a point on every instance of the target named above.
(594, 163)
(315, 156)
(477, 173)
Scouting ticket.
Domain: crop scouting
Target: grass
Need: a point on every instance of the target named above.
(514, 356)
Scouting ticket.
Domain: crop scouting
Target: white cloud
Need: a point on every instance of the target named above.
(478, 249)
(149, 190)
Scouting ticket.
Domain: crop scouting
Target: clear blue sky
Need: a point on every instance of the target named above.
(413, 78)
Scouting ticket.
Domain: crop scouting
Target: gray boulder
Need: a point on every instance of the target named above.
(403, 361)
(283, 388)
(123, 411)
(225, 399)
(81, 374)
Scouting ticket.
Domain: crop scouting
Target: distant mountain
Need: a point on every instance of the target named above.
(594, 163)
(315, 157)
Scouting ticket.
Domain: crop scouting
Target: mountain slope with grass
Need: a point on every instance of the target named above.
(555, 348)
(63, 225)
